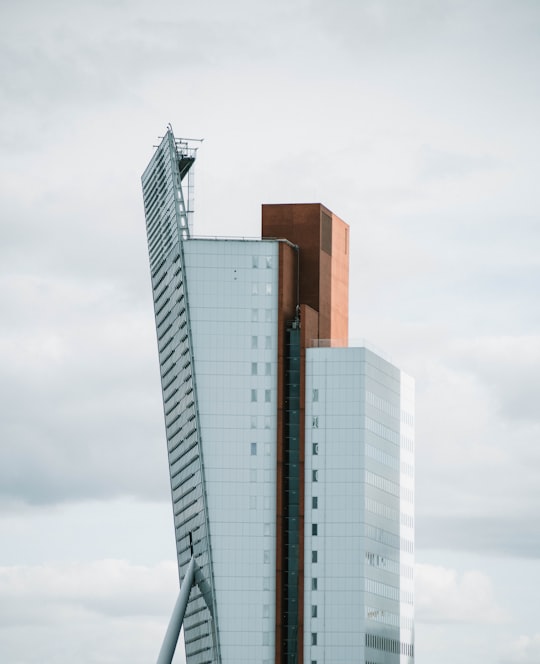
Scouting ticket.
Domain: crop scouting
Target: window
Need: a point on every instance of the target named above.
(314, 529)
(266, 556)
(254, 342)
(314, 499)
(254, 261)
(266, 422)
(254, 288)
(267, 396)
(314, 583)
(268, 289)
(268, 315)
(253, 475)
(268, 342)
(315, 475)
(315, 422)
(267, 369)
(315, 395)
(254, 315)
(313, 610)
(313, 638)
(315, 448)
(266, 611)
(253, 502)
(253, 447)
(254, 368)
(254, 422)
(314, 555)
(269, 261)
(253, 395)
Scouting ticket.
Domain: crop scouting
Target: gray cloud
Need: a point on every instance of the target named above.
(444, 596)
(442, 164)
(81, 419)
(510, 368)
(515, 535)
(416, 122)
(523, 650)
(107, 610)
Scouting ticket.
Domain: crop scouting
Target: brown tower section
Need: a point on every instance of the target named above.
(323, 241)
(313, 286)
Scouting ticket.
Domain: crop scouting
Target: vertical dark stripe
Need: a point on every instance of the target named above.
(292, 487)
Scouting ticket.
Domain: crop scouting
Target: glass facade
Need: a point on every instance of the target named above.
(236, 374)
(359, 536)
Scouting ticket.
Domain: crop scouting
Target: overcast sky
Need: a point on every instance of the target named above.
(417, 123)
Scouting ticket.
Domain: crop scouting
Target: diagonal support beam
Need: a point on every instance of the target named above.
(177, 618)
(193, 576)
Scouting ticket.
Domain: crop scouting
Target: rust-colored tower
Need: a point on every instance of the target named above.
(313, 309)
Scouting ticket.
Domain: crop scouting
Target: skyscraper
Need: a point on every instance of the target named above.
(290, 450)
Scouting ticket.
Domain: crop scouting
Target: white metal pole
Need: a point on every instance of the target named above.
(177, 618)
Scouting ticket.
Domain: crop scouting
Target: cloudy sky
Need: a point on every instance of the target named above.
(417, 123)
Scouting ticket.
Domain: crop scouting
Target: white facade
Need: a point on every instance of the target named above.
(232, 292)
(359, 493)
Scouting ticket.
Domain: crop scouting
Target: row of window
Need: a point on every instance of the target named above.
(380, 430)
(382, 562)
(388, 618)
(388, 563)
(255, 396)
(389, 592)
(374, 587)
(406, 494)
(406, 520)
(378, 643)
(377, 533)
(257, 289)
(267, 342)
(381, 456)
(254, 449)
(381, 483)
(267, 315)
(407, 469)
(380, 510)
(382, 404)
(381, 535)
(382, 589)
(389, 645)
(387, 460)
(261, 262)
(388, 408)
(388, 512)
(255, 422)
(407, 443)
(391, 539)
(255, 368)
(254, 502)
(382, 616)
